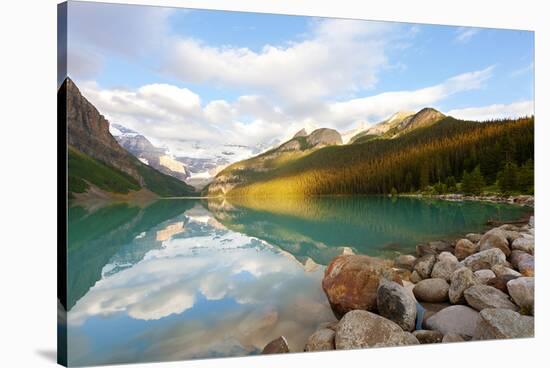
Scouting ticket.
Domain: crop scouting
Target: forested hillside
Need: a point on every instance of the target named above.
(438, 157)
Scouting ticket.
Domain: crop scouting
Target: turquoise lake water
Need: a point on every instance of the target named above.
(184, 279)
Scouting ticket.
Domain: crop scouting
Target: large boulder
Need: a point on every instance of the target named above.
(522, 291)
(397, 305)
(277, 346)
(321, 340)
(361, 329)
(465, 248)
(424, 265)
(483, 296)
(431, 290)
(405, 261)
(503, 324)
(444, 268)
(428, 336)
(351, 282)
(485, 259)
(457, 319)
(482, 276)
(461, 279)
(524, 244)
(495, 238)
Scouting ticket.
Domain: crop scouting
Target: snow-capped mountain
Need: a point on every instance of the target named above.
(146, 152)
(195, 162)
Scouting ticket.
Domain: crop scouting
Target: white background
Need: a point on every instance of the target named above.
(28, 180)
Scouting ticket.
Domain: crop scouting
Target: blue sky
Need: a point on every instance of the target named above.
(177, 74)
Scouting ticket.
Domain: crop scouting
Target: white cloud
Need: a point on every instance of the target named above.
(465, 34)
(521, 71)
(97, 30)
(496, 111)
(339, 56)
(171, 116)
(375, 108)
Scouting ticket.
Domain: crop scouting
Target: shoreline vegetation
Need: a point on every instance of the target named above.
(479, 287)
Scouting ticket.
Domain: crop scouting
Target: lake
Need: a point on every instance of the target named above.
(183, 279)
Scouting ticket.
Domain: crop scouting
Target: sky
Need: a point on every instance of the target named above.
(180, 76)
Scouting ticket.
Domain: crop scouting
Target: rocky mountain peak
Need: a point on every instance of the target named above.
(301, 133)
(323, 137)
(425, 117)
(88, 131)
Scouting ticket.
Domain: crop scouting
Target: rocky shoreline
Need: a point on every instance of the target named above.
(521, 200)
(479, 287)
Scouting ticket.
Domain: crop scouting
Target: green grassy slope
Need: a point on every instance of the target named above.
(83, 169)
(422, 157)
(162, 184)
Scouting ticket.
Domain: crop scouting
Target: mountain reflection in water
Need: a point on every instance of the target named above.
(182, 279)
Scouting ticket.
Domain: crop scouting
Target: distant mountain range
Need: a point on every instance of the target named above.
(406, 152)
(146, 152)
(98, 166)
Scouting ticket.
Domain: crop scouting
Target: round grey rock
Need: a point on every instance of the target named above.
(456, 319)
(431, 290)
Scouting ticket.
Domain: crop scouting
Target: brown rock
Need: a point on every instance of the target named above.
(500, 282)
(277, 346)
(424, 250)
(473, 237)
(502, 270)
(461, 279)
(495, 238)
(351, 282)
(482, 276)
(415, 277)
(428, 336)
(444, 269)
(522, 291)
(321, 340)
(452, 337)
(441, 246)
(465, 248)
(424, 265)
(405, 261)
(485, 259)
(523, 244)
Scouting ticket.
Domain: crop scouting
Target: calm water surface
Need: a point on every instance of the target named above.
(183, 279)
